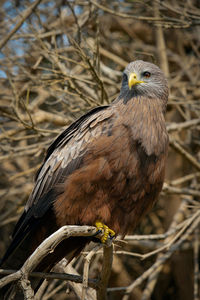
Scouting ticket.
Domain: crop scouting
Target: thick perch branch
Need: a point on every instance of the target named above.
(45, 248)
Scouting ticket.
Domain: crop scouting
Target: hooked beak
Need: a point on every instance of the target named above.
(133, 80)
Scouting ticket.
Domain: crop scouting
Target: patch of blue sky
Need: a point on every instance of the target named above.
(18, 49)
(65, 40)
(11, 10)
(15, 70)
(49, 4)
(2, 74)
(8, 7)
(78, 9)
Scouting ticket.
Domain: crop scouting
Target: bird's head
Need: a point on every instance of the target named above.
(142, 78)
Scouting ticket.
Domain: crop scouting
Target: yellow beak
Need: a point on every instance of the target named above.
(133, 80)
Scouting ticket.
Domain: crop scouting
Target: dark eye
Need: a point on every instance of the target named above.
(146, 74)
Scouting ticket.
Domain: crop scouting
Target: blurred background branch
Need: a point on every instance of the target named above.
(60, 59)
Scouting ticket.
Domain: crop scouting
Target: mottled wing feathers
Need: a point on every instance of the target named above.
(64, 156)
(68, 132)
(66, 152)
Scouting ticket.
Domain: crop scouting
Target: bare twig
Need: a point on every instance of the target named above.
(185, 153)
(25, 15)
(196, 264)
(105, 273)
(86, 270)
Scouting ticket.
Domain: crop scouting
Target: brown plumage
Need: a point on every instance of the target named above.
(107, 166)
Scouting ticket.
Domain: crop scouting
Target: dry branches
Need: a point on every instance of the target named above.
(48, 246)
(59, 60)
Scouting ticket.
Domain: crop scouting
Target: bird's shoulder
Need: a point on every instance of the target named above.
(66, 152)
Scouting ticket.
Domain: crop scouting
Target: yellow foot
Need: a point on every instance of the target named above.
(107, 232)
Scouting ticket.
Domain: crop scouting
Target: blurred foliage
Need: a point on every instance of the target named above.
(58, 60)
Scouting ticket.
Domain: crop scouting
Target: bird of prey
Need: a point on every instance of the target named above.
(105, 169)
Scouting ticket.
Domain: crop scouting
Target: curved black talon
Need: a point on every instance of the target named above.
(98, 232)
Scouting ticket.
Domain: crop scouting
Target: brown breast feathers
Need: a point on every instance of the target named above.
(122, 168)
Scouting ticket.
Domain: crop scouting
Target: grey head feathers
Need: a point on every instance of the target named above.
(153, 83)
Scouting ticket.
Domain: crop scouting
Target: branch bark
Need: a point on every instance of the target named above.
(26, 14)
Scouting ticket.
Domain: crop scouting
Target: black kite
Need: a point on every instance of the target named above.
(108, 167)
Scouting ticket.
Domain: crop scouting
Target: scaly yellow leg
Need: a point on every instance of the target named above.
(107, 232)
